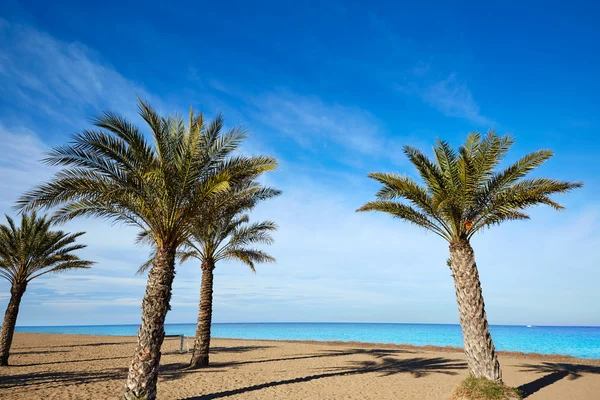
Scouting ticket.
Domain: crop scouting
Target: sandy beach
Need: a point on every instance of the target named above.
(46, 366)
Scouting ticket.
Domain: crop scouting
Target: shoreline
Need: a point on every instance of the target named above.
(426, 348)
(77, 366)
(430, 348)
(314, 323)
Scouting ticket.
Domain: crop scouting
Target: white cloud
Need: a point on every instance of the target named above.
(454, 99)
(19, 164)
(449, 96)
(89, 282)
(312, 122)
(91, 303)
(308, 119)
(64, 80)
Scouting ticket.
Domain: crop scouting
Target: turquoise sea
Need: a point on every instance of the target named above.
(573, 341)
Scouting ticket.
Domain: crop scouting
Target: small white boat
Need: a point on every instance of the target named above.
(529, 326)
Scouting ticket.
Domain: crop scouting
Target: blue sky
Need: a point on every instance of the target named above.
(333, 91)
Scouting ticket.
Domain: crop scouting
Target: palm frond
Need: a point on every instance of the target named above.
(406, 213)
(160, 185)
(33, 249)
(250, 257)
(462, 193)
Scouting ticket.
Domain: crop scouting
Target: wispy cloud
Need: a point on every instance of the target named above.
(64, 80)
(314, 123)
(450, 96)
(93, 302)
(454, 99)
(310, 120)
(19, 163)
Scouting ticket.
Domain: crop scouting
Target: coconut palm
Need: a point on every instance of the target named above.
(462, 193)
(224, 233)
(28, 252)
(159, 186)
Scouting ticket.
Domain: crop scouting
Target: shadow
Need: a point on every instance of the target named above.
(173, 371)
(377, 353)
(237, 349)
(14, 353)
(59, 378)
(77, 345)
(385, 366)
(70, 361)
(95, 344)
(554, 373)
(417, 367)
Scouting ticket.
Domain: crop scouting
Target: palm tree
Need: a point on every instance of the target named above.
(114, 172)
(224, 233)
(28, 252)
(461, 195)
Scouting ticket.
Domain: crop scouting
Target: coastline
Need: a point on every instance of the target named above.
(402, 346)
(578, 342)
(86, 366)
(442, 349)
(427, 348)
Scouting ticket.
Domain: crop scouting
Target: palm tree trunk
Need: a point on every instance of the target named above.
(143, 370)
(202, 341)
(479, 348)
(10, 320)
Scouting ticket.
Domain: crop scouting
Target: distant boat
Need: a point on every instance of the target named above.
(529, 326)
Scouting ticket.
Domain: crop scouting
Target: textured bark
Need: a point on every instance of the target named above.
(143, 370)
(479, 348)
(10, 320)
(202, 341)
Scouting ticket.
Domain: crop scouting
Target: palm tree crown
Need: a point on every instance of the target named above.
(33, 249)
(114, 172)
(462, 192)
(223, 231)
(231, 241)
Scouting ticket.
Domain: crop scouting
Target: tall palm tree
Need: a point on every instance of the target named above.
(114, 172)
(224, 233)
(462, 194)
(28, 252)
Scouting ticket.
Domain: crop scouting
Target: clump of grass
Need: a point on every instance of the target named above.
(484, 389)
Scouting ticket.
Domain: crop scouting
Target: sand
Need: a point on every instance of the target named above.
(48, 367)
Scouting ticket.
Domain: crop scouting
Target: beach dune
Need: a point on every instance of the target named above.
(46, 366)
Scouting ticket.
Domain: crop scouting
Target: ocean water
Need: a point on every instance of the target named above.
(574, 341)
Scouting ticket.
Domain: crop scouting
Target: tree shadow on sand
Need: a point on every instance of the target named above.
(58, 379)
(175, 370)
(71, 361)
(377, 353)
(383, 365)
(213, 350)
(99, 344)
(30, 352)
(237, 349)
(554, 372)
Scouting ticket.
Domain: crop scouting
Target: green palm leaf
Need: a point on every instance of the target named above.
(34, 249)
(462, 192)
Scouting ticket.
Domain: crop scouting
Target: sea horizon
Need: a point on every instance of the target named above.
(312, 322)
(575, 341)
